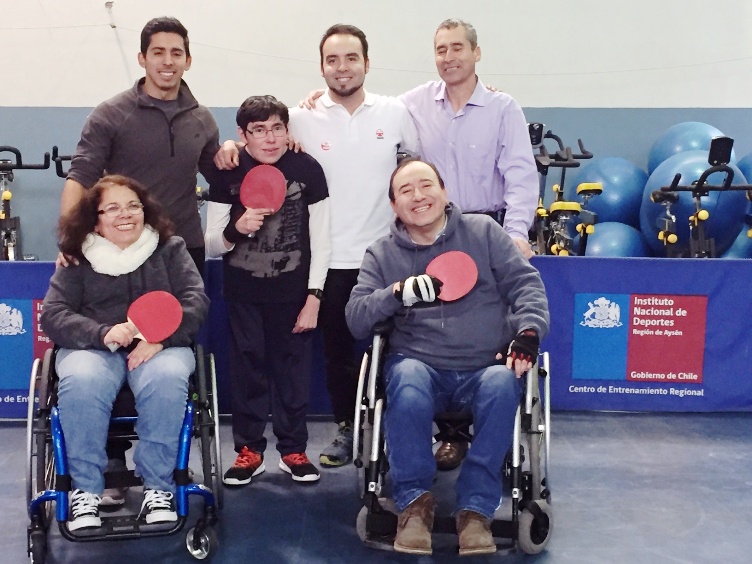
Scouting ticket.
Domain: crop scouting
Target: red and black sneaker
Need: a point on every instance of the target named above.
(299, 467)
(247, 465)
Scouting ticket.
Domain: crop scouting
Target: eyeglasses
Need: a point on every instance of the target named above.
(114, 210)
(260, 132)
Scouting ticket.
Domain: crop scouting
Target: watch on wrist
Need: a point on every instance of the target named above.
(316, 293)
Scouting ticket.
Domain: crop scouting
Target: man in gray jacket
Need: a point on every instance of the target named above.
(445, 355)
(155, 132)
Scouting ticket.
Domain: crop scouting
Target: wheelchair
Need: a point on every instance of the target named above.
(48, 481)
(525, 469)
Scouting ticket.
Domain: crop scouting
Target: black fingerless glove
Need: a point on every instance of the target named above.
(524, 346)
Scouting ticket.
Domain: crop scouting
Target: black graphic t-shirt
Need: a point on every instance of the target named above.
(273, 265)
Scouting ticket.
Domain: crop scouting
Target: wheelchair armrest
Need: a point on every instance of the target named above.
(383, 327)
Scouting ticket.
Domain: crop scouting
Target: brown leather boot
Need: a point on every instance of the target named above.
(474, 532)
(414, 526)
(450, 454)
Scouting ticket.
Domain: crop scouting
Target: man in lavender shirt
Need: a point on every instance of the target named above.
(479, 141)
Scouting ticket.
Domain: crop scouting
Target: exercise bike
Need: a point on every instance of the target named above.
(10, 227)
(700, 245)
(550, 233)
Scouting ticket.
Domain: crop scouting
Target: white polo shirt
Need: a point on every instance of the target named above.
(358, 153)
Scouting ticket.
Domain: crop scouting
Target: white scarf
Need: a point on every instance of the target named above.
(107, 258)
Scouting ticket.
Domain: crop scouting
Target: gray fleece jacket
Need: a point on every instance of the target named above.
(81, 305)
(464, 334)
(129, 134)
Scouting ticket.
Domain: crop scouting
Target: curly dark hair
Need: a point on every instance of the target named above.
(83, 218)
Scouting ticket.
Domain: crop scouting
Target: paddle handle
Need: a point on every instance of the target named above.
(114, 346)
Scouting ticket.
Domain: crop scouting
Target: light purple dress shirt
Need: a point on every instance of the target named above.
(483, 151)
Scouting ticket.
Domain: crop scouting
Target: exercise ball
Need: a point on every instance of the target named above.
(727, 209)
(686, 136)
(745, 165)
(614, 239)
(623, 184)
(741, 248)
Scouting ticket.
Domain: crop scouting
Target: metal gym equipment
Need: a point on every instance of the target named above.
(10, 226)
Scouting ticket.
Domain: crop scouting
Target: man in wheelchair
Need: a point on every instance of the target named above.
(461, 355)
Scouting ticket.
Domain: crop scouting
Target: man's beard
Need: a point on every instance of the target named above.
(349, 92)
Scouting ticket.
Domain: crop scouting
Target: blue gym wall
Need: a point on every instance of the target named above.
(617, 78)
(626, 133)
(615, 75)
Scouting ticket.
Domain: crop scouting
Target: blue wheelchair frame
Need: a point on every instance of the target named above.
(201, 539)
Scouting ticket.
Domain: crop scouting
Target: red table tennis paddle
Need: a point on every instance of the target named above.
(156, 315)
(264, 186)
(457, 272)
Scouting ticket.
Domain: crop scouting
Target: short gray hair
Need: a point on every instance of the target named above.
(470, 34)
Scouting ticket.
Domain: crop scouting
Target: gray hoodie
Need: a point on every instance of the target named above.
(464, 334)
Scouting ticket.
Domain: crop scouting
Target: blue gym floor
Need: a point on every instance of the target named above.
(627, 488)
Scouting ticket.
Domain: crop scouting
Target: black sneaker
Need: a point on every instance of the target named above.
(249, 463)
(160, 507)
(299, 467)
(84, 510)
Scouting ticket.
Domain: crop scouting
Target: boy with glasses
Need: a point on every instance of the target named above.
(356, 136)
(275, 266)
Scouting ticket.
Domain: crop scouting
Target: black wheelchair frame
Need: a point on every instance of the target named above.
(531, 523)
(47, 472)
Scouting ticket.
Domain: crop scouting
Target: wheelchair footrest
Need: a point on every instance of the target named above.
(382, 524)
(123, 527)
(503, 529)
(124, 479)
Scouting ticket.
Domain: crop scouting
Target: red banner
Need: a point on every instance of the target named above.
(666, 338)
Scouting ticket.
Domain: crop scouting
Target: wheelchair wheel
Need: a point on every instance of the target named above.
(535, 527)
(38, 546)
(365, 447)
(40, 470)
(536, 442)
(203, 547)
(208, 416)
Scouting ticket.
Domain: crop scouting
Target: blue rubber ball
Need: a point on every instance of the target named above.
(686, 136)
(623, 184)
(741, 248)
(614, 239)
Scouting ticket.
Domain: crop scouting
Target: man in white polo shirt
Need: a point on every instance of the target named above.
(355, 136)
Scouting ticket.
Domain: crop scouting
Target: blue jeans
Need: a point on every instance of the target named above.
(89, 382)
(415, 392)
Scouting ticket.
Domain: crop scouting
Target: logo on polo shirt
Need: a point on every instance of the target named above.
(325, 146)
(379, 134)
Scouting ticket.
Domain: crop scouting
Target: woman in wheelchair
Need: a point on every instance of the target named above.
(123, 247)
